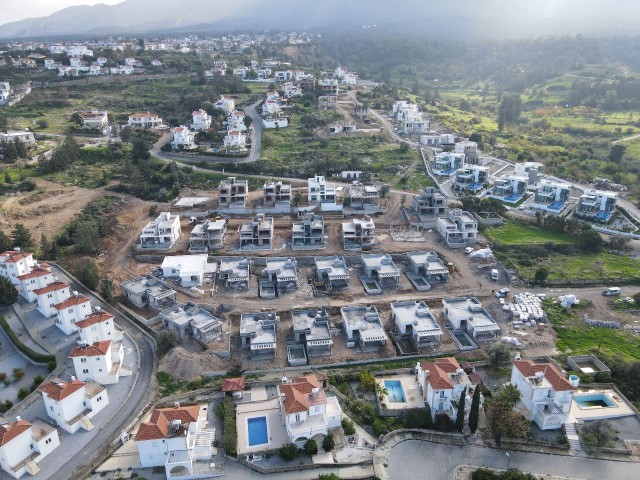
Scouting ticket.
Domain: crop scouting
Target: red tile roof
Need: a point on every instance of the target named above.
(233, 384)
(297, 395)
(438, 378)
(35, 273)
(95, 317)
(448, 364)
(159, 425)
(9, 431)
(94, 350)
(558, 381)
(60, 390)
(52, 287)
(13, 256)
(71, 301)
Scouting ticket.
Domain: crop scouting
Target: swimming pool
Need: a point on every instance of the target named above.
(594, 400)
(395, 392)
(512, 198)
(556, 206)
(257, 430)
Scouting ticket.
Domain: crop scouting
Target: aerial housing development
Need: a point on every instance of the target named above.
(323, 242)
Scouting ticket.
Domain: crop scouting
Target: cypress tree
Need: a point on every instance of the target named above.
(460, 415)
(474, 414)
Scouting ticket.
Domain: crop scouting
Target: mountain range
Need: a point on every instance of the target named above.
(491, 16)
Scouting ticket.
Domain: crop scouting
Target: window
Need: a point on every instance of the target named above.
(47, 441)
(297, 418)
(100, 370)
(442, 394)
(83, 360)
(85, 370)
(97, 359)
(99, 399)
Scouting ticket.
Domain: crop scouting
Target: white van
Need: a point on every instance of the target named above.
(612, 292)
(494, 274)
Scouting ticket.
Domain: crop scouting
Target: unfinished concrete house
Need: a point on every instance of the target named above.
(415, 322)
(280, 276)
(332, 271)
(148, 291)
(191, 320)
(312, 329)
(258, 333)
(276, 194)
(234, 273)
(363, 197)
(258, 234)
(425, 268)
(163, 232)
(429, 205)
(233, 193)
(207, 236)
(308, 234)
(358, 234)
(467, 315)
(379, 272)
(363, 114)
(459, 229)
(363, 327)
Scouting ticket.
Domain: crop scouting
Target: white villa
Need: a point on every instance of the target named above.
(145, 120)
(24, 444)
(227, 105)
(94, 118)
(551, 197)
(596, 205)
(5, 91)
(471, 178)
(363, 326)
(14, 263)
(546, 393)
(415, 320)
(97, 327)
(448, 163)
(201, 120)
(458, 229)
(510, 188)
(73, 404)
(441, 383)
(235, 139)
(50, 296)
(235, 121)
(190, 269)
(40, 276)
(98, 362)
(183, 138)
(322, 192)
(75, 308)
(437, 139)
(307, 410)
(163, 232)
(175, 438)
(468, 314)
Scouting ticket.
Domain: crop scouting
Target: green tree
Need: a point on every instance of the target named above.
(417, 418)
(443, 422)
(297, 198)
(22, 393)
(140, 150)
(509, 110)
(21, 237)
(288, 452)
(504, 422)
(384, 190)
(590, 241)
(460, 413)
(5, 242)
(86, 237)
(107, 289)
(499, 354)
(347, 427)
(125, 134)
(404, 147)
(541, 275)
(153, 211)
(7, 177)
(8, 293)
(4, 124)
(167, 339)
(37, 380)
(87, 274)
(598, 433)
(510, 395)
(474, 414)
(9, 151)
(328, 476)
(367, 380)
(328, 443)
(311, 447)
(21, 148)
(616, 152)
(45, 247)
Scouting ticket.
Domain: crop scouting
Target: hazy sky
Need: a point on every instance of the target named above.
(11, 10)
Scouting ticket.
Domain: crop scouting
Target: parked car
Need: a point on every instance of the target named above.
(503, 292)
(612, 292)
(468, 250)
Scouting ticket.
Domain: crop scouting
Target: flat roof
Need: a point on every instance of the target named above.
(430, 259)
(191, 201)
(235, 268)
(190, 314)
(285, 268)
(189, 264)
(382, 262)
(261, 327)
(154, 286)
(335, 266)
(470, 308)
(418, 315)
(314, 321)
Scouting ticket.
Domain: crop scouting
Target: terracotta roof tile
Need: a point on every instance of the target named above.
(13, 256)
(52, 287)
(59, 390)
(94, 350)
(438, 378)
(71, 302)
(297, 395)
(558, 381)
(95, 317)
(448, 364)
(35, 273)
(9, 431)
(159, 425)
(233, 384)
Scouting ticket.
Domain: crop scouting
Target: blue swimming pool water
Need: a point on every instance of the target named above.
(257, 428)
(593, 400)
(556, 206)
(395, 392)
(604, 215)
(512, 198)
(475, 186)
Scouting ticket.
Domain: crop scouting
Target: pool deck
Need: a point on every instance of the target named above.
(275, 426)
(411, 392)
(622, 409)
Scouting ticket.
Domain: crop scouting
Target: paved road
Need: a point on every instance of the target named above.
(416, 460)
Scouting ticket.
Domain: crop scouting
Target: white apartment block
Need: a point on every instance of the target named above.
(183, 138)
(24, 444)
(14, 263)
(5, 91)
(99, 362)
(75, 308)
(73, 404)
(201, 120)
(97, 327)
(163, 232)
(50, 296)
(322, 192)
(39, 277)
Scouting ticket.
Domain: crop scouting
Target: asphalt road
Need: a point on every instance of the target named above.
(417, 460)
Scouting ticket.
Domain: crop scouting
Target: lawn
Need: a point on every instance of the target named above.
(575, 337)
(601, 268)
(514, 233)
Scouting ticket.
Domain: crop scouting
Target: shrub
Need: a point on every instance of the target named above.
(3, 376)
(311, 447)
(443, 423)
(417, 418)
(18, 373)
(348, 427)
(37, 380)
(288, 452)
(328, 443)
(22, 393)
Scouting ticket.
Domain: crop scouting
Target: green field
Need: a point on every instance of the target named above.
(601, 268)
(575, 337)
(514, 233)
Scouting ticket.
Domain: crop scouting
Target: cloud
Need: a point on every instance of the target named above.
(13, 10)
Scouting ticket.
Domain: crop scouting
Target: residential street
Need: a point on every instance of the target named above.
(417, 460)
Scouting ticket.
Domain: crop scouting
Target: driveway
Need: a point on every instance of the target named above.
(126, 399)
(417, 460)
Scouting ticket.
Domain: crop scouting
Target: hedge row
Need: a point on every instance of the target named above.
(35, 356)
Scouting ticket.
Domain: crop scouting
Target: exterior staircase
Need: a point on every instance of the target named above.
(86, 423)
(572, 436)
(32, 468)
